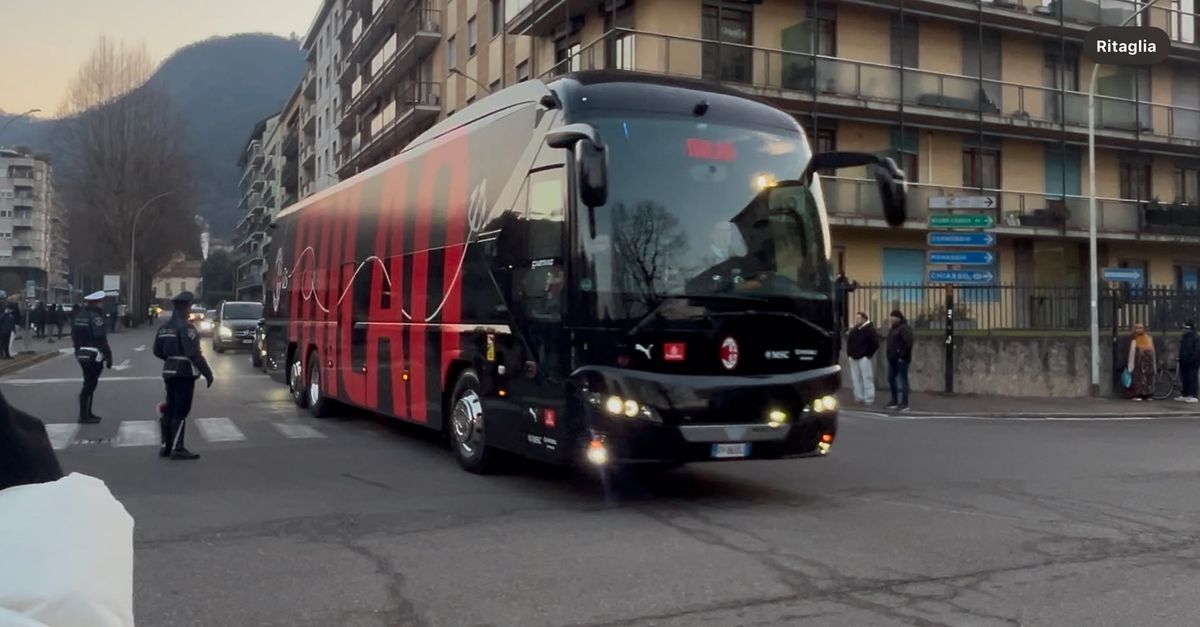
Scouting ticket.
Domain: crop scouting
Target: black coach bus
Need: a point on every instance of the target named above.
(610, 268)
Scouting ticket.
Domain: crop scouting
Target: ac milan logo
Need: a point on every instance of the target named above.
(729, 353)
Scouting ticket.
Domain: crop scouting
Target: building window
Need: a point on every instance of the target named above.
(566, 55)
(906, 152)
(981, 167)
(824, 25)
(727, 25)
(1135, 181)
(497, 18)
(619, 50)
(494, 87)
(523, 71)
(1187, 276)
(1187, 186)
(451, 54)
(904, 39)
(472, 36)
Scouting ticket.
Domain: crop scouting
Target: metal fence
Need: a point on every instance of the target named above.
(1024, 307)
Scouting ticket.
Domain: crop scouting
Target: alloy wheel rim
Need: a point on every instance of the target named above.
(314, 385)
(467, 421)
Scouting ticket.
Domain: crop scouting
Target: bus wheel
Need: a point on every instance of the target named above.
(296, 382)
(318, 405)
(466, 426)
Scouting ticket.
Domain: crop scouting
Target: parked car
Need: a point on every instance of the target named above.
(206, 324)
(235, 324)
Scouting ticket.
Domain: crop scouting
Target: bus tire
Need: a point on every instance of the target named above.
(466, 426)
(319, 405)
(296, 386)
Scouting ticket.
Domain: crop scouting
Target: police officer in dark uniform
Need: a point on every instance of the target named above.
(178, 345)
(90, 338)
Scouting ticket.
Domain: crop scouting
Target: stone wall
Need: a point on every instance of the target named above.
(1014, 365)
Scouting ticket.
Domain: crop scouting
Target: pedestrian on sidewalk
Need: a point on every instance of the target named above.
(899, 355)
(1141, 365)
(38, 321)
(861, 346)
(60, 318)
(8, 324)
(178, 345)
(1189, 364)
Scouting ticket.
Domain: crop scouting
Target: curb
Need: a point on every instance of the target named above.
(1066, 417)
(23, 363)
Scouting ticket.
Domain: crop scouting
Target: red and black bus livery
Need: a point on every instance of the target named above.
(609, 266)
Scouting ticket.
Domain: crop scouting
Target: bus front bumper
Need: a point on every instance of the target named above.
(691, 419)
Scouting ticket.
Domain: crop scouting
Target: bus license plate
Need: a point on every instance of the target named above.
(730, 451)
(247, 341)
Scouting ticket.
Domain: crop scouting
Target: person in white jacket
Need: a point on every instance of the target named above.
(67, 544)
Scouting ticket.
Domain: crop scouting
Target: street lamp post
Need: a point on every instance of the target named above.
(133, 251)
(472, 79)
(1093, 262)
(17, 117)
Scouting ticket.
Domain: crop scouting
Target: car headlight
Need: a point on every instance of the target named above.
(825, 405)
(226, 331)
(615, 405)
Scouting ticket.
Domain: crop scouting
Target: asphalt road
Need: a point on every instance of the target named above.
(360, 522)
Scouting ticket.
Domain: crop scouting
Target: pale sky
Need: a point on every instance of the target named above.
(45, 41)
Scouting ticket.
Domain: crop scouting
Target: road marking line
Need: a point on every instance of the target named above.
(905, 417)
(61, 434)
(74, 380)
(219, 430)
(124, 365)
(139, 348)
(138, 433)
(297, 430)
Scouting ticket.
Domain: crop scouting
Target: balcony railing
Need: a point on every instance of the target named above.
(23, 221)
(410, 98)
(1172, 18)
(857, 199)
(784, 74)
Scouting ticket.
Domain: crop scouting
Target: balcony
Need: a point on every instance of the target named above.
(308, 157)
(416, 106)
(309, 86)
(22, 221)
(855, 202)
(371, 31)
(1074, 17)
(21, 173)
(540, 18)
(419, 34)
(846, 87)
(250, 199)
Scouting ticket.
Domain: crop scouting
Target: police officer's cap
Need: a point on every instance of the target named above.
(183, 297)
(95, 296)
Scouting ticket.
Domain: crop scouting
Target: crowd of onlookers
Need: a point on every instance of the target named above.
(43, 321)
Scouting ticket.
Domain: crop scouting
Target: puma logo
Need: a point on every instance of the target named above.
(644, 349)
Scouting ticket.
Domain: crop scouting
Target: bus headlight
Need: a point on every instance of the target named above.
(617, 406)
(825, 405)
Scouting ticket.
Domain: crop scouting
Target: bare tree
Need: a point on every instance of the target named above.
(648, 242)
(121, 142)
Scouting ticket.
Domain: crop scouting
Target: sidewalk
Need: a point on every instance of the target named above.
(41, 351)
(932, 404)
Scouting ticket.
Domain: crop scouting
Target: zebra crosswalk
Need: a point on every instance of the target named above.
(134, 433)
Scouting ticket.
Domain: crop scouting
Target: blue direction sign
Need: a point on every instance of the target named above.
(962, 240)
(962, 277)
(961, 257)
(1123, 275)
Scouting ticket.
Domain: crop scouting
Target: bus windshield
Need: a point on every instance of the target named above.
(693, 210)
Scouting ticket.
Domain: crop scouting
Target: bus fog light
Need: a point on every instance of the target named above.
(776, 417)
(823, 448)
(825, 405)
(597, 453)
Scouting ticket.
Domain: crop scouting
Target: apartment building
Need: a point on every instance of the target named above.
(262, 198)
(33, 230)
(322, 99)
(971, 98)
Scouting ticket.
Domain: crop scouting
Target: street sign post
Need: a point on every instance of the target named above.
(1123, 275)
(961, 277)
(962, 202)
(961, 240)
(961, 221)
(961, 257)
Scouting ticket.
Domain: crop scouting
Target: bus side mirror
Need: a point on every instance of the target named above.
(591, 164)
(889, 179)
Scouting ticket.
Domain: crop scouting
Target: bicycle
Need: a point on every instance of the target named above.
(1167, 381)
